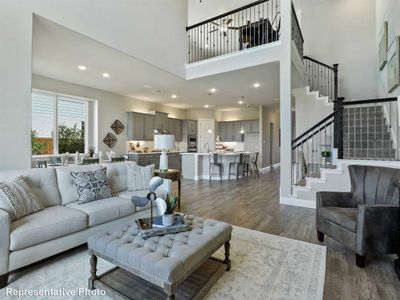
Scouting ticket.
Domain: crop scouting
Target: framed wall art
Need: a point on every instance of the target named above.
(383, 46)
(393, 65)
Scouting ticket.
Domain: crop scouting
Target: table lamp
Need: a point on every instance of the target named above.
(164, 142)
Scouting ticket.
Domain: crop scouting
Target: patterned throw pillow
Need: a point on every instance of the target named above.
(17, 198)
(91, 185)
(139, 177)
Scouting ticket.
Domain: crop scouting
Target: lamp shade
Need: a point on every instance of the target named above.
(164, 141)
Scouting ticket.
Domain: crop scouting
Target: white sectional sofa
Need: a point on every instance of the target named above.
(63, 224)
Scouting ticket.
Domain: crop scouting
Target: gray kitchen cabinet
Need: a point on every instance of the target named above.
(171, 126)
(192, 127)
(148, 127)
(230, 136)
(237, 136)
(222, 131)
(177, 129)
(255, 126)
(135, 126)
(247, 126)
(161, 121)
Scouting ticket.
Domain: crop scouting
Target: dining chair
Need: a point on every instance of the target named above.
(90, 161)
(41, 164)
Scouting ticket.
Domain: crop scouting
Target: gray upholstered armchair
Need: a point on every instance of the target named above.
(367, 219)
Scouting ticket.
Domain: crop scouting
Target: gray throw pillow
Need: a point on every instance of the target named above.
(18, 199)
(91, 185)
(139, 177)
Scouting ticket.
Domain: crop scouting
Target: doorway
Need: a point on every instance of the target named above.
(271, 144)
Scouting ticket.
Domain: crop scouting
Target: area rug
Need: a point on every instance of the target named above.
(264, 266)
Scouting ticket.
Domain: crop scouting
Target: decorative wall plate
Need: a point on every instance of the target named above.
(110, 140)
(117, 126)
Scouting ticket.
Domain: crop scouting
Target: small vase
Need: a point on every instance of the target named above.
(168, 220)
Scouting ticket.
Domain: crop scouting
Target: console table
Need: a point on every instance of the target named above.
(173, 175)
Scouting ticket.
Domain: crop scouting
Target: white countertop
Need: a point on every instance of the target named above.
(206, 154)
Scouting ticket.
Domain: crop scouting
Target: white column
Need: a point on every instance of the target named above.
(286, 99)
(15, 84)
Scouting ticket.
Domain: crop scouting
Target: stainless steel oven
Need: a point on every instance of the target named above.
(192, 143)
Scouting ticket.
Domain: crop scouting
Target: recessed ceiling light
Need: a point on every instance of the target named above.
(206, 106)
(213, 90)
(82, 67)
(147, 86)
(256, 85)
(106, 75)
(173, 96)
(206, 46)
(240, 102)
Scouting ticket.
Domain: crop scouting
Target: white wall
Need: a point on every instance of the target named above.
(250, 113)
(110, 107)
(270, 114)
(15, 85)
(387, 10)
(120, 26)
(343, 32)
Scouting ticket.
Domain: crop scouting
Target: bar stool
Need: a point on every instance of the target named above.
(253, 164)
(215, 160)
(237, 164)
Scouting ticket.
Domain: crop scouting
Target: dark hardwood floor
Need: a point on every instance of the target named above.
(254, 204)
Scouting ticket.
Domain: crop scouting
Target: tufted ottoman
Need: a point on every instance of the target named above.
(172, 262)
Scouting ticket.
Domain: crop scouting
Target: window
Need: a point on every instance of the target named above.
(58, 124)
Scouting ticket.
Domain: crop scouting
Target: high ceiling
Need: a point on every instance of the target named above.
(57, 52)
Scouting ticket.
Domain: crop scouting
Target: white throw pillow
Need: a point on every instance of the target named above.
(139, 177)
(18, 199)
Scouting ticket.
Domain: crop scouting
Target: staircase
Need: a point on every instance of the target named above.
(355, 132)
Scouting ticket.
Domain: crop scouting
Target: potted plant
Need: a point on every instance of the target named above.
(325, 156)
(168, 218)
(91, 151)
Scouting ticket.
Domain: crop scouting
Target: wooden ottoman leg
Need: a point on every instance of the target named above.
(93, 270)
(227, 253)
(169, 291)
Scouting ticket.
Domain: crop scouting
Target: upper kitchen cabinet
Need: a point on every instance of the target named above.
(192, 127)
(161, 121)
(135, 126)
(237, 127)
(177, 129)
(149, 125)
(251, 126)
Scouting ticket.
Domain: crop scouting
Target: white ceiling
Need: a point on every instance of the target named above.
(58, 51)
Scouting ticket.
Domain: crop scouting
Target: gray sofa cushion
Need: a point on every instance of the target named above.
(45, 225)
(165, 258)
(117, 176)
(42, 182)
(66, 183)
(345, 217)
(105, 210)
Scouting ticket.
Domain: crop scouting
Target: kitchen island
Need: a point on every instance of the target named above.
(195, 166)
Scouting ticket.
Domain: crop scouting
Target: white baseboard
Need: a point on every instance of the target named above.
(266, 169)
(297, 202)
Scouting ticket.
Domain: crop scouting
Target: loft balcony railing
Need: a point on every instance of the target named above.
(246, 27)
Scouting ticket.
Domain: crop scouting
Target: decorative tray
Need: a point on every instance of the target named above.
(158, 229)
